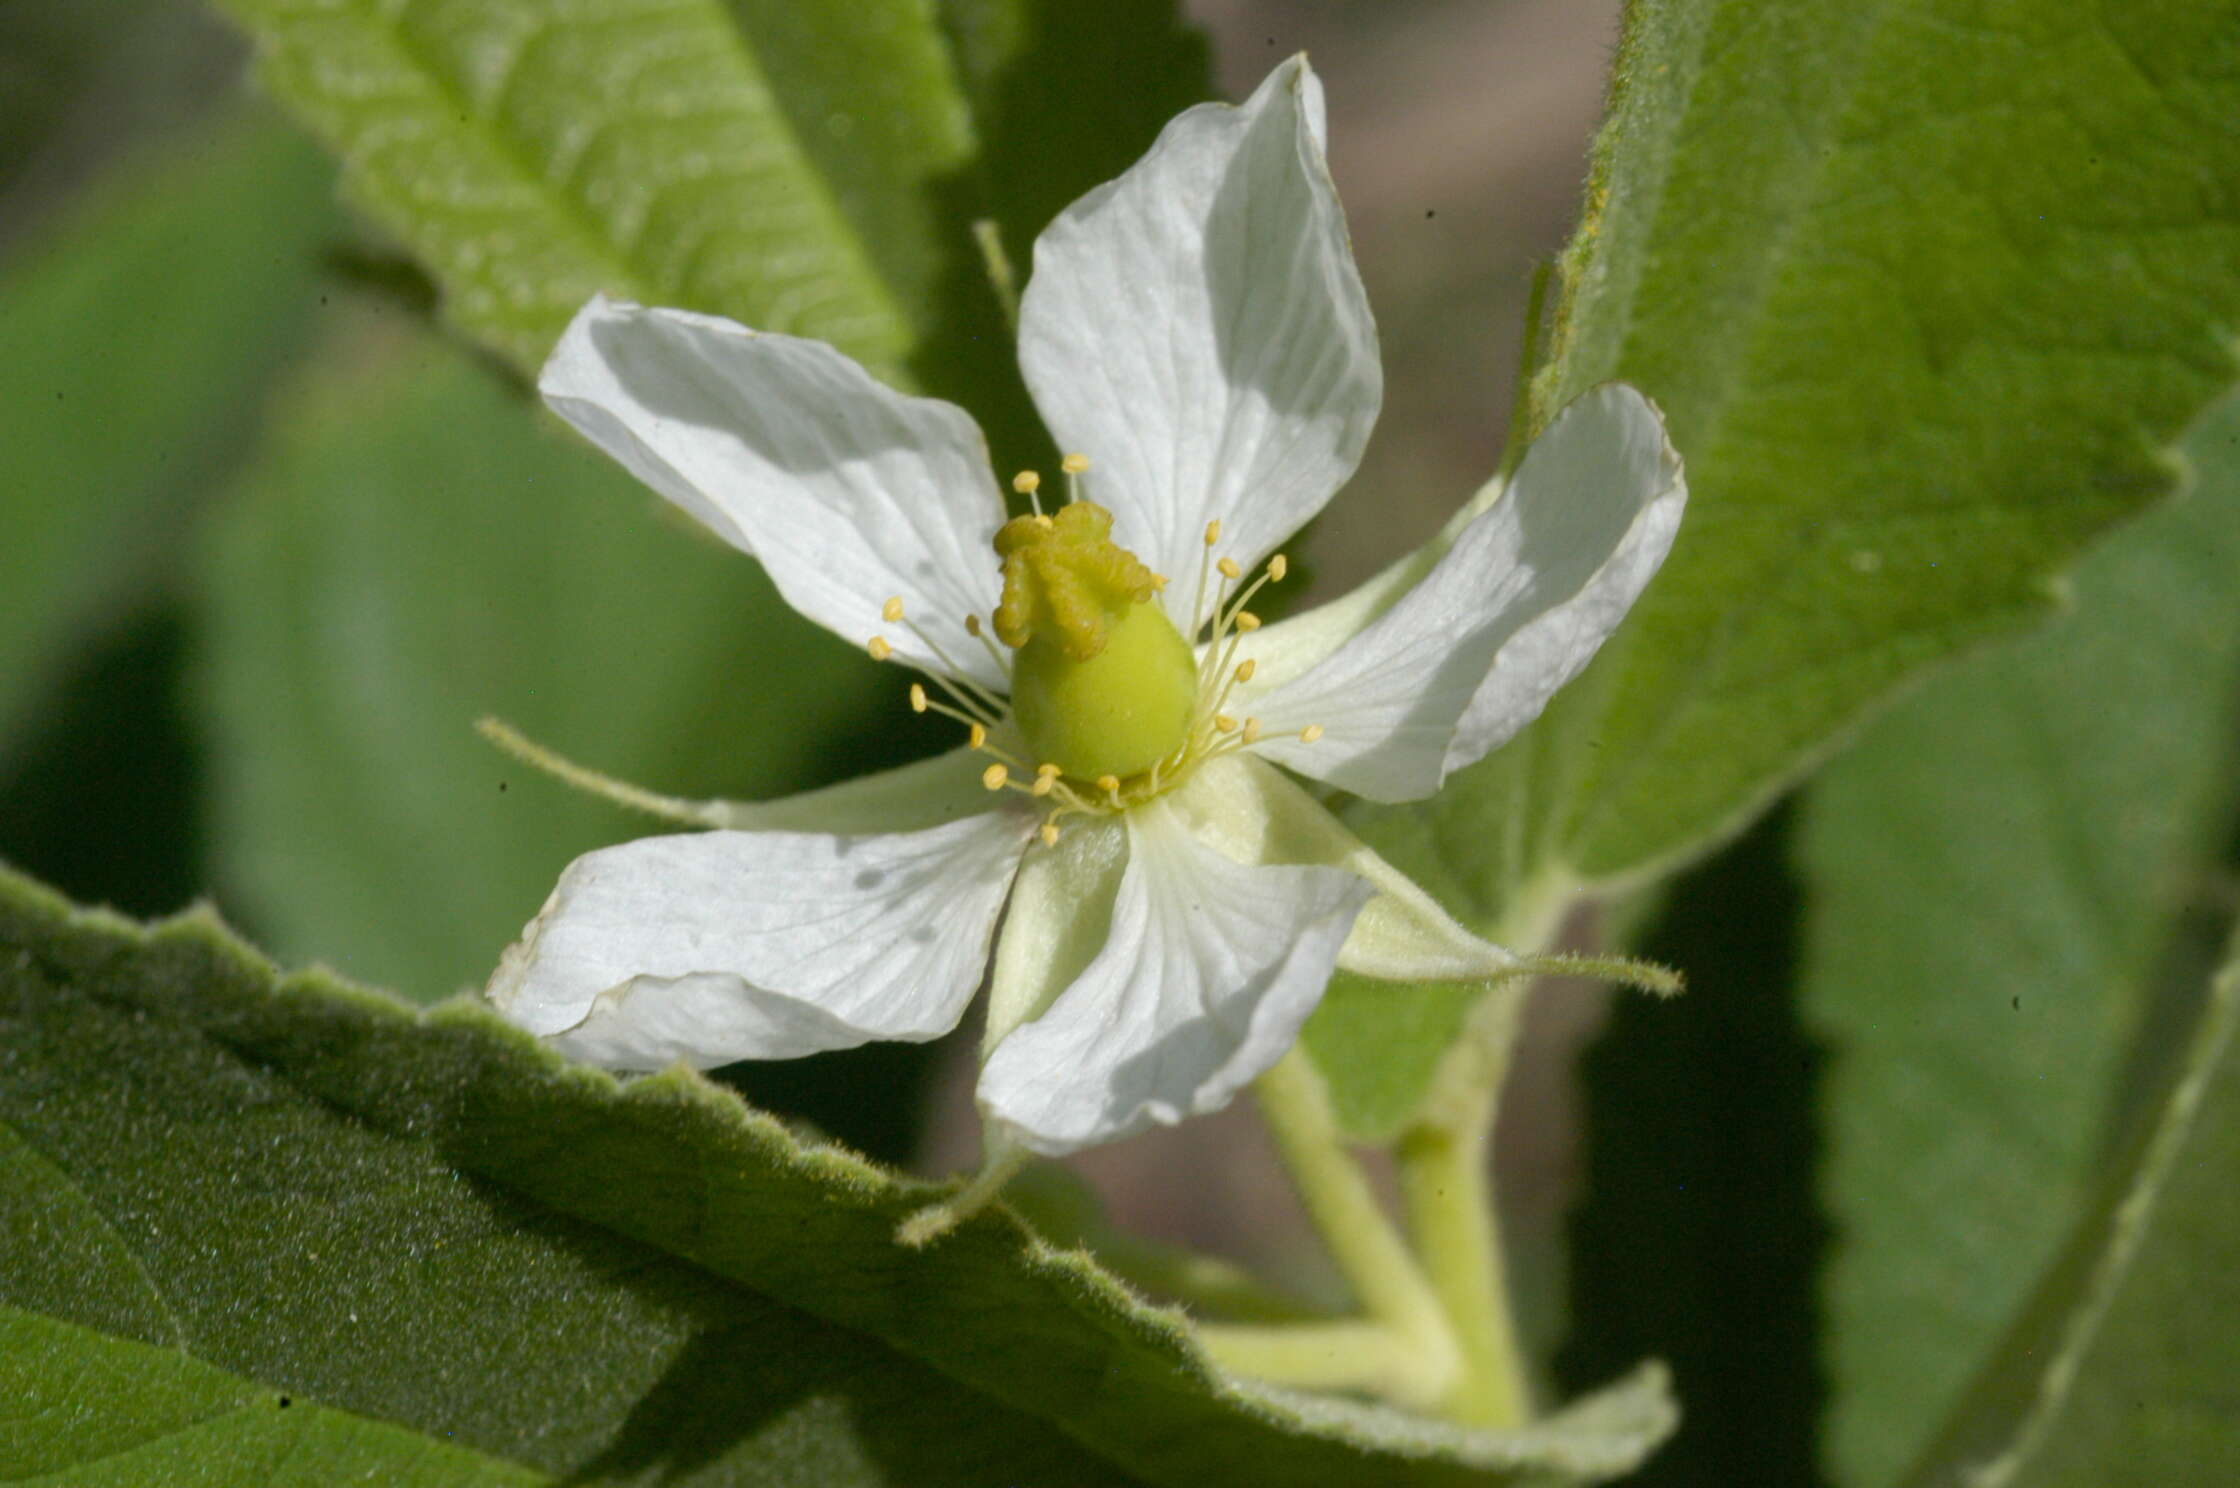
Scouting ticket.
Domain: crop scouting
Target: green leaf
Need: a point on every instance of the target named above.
(430, 1221)
(1927, 289)
(772, 162)
(1995, 874)
(415, 550)
(132, 347)
(2122, 1370)
(89, 1409)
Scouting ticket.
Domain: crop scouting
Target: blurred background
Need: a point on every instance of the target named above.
(271, 540)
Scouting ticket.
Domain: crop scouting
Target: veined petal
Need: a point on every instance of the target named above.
(1058, 920)
(923, 793)
(1197, 328)
(1528, 591)
(1253, 813)
(717, 946)
(1208, 971)
(849, 492)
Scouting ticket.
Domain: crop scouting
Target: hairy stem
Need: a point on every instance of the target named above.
(1363, 1240)
(1446, 1185)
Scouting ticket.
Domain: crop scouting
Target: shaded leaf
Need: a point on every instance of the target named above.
(431, 1221)
(2122, 1370)
(132, 349)
(1995, 874)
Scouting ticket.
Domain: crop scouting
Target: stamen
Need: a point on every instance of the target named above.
(957, 682)
(919, 702)
(1050, 833)
(995, 777)
(1278, 566)
(979, 632)
(1251, 733)
(879, 648)
(1225, 723)
(1245, 621)
(1246, 668)
(1028, 483)
(1073, 465)
(976, 737)
(1213, 532)
(1310, 733)
(1045, 779)
(891, 611)
(1229, 569)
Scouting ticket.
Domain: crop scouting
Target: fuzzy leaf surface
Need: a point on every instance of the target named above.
(1928, 290)
(428, 1220)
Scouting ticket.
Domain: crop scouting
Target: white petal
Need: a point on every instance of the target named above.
(1208, 971)
(1254, 813)
(923, 793)
(717, 946)
(1512, 611)
(1197, 328)
(1058, 919)
(849, 492)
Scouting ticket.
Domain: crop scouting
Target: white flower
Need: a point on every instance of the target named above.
(1171, 905)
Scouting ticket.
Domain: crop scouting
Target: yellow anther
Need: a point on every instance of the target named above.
(972, 626)
(1251, 730)
(1048, 770)
(1045, 780)
(918, 699)
(1225, 723)
(1049, 834)
(1026, 482)
(1310, 733)
(1278, 566)
(1108, 783)
(1246, 668)
(1246, 621)
(1074, 464)
(976, 736)
(1229, 569)
(891, 611)
(995, 777)
(1044, 522)
(1213, 532)
(879, 648)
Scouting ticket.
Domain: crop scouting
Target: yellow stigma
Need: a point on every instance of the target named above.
(1065, 579)
(1103, 684)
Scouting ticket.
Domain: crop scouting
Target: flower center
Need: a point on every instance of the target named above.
(1102, 684)
(1105, 693)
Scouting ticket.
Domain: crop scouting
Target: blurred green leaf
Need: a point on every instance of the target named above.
(134, 342)
(1994, 875)
(416, 549)
(1926, 290)
(434, 1222)
(79, 80)
(2122, 1370)
(771, 162)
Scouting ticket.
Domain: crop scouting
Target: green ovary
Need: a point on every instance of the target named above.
(1103, 684)
(1118, 713)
